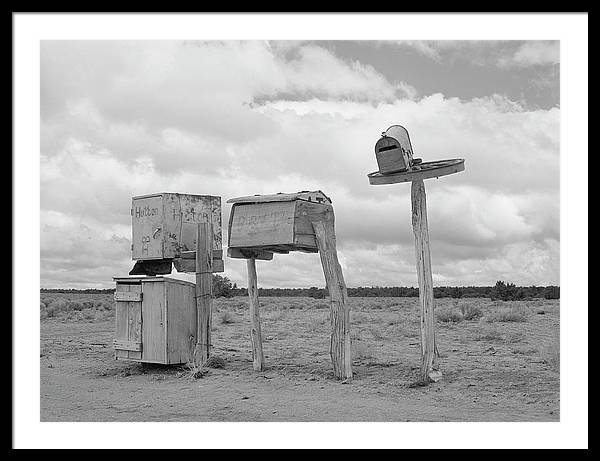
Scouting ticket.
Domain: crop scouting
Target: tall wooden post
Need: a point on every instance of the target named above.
(204, 291)
(255, 332)
(429, 370)
(340, 343)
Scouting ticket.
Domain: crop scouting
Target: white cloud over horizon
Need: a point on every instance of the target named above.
(120, 119)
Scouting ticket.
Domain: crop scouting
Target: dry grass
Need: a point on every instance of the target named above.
(226, 317)
(471, 311)
(512, 314)
(550, 353)
(76, 307)
(448, 315)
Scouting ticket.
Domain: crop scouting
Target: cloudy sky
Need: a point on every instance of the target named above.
(125, 118)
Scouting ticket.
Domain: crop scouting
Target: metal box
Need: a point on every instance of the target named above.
(393, 150)
(273, 223)
(155, 320)
(164, 225)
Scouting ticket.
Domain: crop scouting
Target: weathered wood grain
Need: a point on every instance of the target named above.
(164, 225)
(243, 253)
(204, 291)
(429, 369)
(427, 170)
(323, 221)
(270, 223)
(127, 296)
(255, 330)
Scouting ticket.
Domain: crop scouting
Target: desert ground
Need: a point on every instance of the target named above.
(500, 362)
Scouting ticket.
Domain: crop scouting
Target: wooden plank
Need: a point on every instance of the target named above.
(122, 319)
(181, 322)
(255, 330)
(147, 216)
(426, 171)
(429, 369)
(203, 292)
(189, 265)
(127, 345)
(182, 213)
(134, 310)
(154, 321)
(262, 224)
(246, 253)
(323, 221)
(217, 254)
(311, 196)
(127, 296)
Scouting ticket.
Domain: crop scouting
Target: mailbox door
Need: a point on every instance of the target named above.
(128, 332)
(183, 212)
(154, 327)
(147, 231)
(262, 224)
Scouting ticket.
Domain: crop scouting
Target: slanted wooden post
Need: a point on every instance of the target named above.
(204, 291)
(429, 370)
(340, 343)
(255, 332)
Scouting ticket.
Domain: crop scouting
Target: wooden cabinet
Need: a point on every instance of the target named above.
(155, 320)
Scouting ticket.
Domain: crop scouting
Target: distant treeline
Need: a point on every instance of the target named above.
(222, 287)
(505, 292)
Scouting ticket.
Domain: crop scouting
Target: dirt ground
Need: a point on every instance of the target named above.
(494, 368)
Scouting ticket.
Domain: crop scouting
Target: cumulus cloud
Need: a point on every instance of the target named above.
(533, 53)
(235, 118)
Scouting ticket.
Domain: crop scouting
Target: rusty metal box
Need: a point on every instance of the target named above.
(165, 224)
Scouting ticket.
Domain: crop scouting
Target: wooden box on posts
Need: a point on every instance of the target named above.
(260, 225)
(155, 320)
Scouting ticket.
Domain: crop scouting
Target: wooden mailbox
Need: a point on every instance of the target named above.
(164, 228)
(260, 225)
(155, 320)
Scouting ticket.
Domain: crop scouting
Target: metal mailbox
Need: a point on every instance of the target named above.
(393, 150)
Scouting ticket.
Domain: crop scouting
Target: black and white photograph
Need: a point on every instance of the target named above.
(284, 218)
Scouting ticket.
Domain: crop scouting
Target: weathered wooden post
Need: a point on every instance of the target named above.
(340, 343)
(396, 165)
(255, 331)
(261, 225)
(204, 292)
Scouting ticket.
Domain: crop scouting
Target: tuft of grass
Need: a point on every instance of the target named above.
(513, 314)
(362, 351)
(516, 337)
(471, 311)
(214, 361)
(448, 315)
(525, 350)
(226, 317)
(490, 335)
(550, 354)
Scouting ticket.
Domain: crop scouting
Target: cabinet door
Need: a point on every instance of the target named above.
(147, 231)
(154, 328)
(128, 332)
